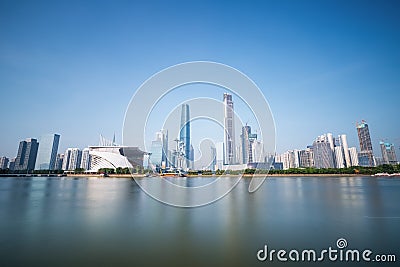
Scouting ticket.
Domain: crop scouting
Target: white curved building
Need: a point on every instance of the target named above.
(114, 157)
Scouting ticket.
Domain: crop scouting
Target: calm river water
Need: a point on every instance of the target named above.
(111, 222)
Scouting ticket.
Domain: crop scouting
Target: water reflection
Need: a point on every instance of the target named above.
(91, 222)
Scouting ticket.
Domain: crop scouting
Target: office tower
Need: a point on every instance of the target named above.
(75, 159)
(366, 155)
(323, 155)
(59, 162)
(156, 151)
(388, 153)
(353, 156)
(11, 164)
(3, 163)
(85, 162)
(306, 158)
(47, 152)
(184, 132)
(67, 155)
(26, 156)
(229, 130)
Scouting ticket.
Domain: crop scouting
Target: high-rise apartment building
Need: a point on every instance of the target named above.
(388, 153)
(75, 159)
(229, 130)
(306, 158)
(366, 155)
(323, 154)
(85, 162)
(47, 152)
(26, 156)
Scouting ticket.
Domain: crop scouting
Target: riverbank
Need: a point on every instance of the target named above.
(214, 176)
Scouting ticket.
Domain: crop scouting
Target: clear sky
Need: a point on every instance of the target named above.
(71, 67)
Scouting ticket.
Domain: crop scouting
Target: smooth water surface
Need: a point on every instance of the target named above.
(111, 222)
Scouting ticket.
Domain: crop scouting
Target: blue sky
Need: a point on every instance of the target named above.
(71, 67)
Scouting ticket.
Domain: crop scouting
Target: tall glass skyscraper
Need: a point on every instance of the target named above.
(229, 130)
(47, 152)
(184, 132)
(366, 155)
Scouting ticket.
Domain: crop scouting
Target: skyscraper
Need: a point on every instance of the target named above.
(26, 156)
(388, 153)
(366, 155)
(47, 152)
(184, 132)
(229, 130)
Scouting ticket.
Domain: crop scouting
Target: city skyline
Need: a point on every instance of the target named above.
(64, 71)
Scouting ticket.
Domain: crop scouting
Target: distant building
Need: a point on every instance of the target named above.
(323, 154)
(339, 157)
(229, 130)
(388, 153)
(156, 150)
(258, 155)
(85, 162)
(219, 147)
(247, 150)
(11, 164)
(72, 159)
(47, 152)
(346, 152)
(213, 165)
(75, 159)
(4, 163)
(59, 162)
(115, 156)
(65, 162)
(26, 156)
(366, 155)
(353, 156)
(306, 157)
(184, 133)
